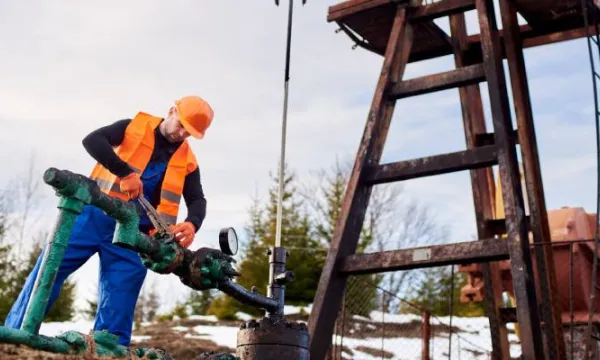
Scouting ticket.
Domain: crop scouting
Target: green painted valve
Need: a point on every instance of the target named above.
(202, 269)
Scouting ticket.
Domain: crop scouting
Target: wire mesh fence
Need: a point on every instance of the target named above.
(376, 323)
(576, 296)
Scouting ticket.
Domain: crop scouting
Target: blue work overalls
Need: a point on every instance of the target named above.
(121, 272)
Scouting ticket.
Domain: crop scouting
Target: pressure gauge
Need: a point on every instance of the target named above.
(228, 241)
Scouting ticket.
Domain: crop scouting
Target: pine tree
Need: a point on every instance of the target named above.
(7, 266)
(92, 308)
(296, 237)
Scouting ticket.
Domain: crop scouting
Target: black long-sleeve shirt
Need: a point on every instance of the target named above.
(100, 142)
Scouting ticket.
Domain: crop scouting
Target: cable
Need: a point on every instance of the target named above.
(584, 10)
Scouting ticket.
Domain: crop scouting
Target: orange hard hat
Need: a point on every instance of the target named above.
(195, 115)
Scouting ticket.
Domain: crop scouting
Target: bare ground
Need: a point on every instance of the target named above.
(162, 337)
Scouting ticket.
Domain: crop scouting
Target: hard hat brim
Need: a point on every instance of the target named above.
(187, 126)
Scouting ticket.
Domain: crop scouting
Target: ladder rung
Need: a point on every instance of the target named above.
(489, 138)
(484, 156)
(498, 226)
(437, 255)
(467, 75)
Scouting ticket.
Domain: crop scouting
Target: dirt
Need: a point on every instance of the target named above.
(175, 342)
(163, 337)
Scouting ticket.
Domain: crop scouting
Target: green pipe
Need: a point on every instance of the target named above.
(53, 255)
(35, 341)
(76, 191)
(73, 342)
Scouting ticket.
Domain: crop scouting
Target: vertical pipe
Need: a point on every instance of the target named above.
(571, 293)
(283, 128)
(425, 335)
(382, 323)
(53, 255)
(276, 290)
(451, 311)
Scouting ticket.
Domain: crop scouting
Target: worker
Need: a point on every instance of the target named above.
(145, 156)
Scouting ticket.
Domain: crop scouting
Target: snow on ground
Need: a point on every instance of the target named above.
(57, 328)
(471, 341)
(221, 335)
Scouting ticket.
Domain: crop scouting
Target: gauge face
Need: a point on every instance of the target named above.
(233, 241)
(228, 241)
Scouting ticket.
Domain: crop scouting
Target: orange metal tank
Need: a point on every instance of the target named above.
(569, 226)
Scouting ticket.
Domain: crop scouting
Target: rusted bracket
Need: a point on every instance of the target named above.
(357, 42)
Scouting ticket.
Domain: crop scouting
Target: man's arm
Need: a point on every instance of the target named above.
(100, 142)
(194, 199)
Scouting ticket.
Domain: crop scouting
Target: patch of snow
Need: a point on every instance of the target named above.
(221, 335)
(58, 328)
(472, 341)
(203, 317)
(290, 309)
(243, 316)
(136, 338)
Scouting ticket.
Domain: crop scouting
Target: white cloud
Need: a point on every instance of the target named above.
(69, 68)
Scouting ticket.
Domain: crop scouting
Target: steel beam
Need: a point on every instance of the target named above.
(533, 182)
(332, 283)
(518, 240)
(483, 188)
(433, 165)
(422, 257)
(462, 76)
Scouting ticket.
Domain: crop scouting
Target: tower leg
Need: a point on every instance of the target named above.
(332, 284)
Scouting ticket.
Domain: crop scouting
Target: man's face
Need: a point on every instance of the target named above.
(174, 131)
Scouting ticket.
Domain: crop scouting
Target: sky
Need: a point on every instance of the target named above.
(68, 68)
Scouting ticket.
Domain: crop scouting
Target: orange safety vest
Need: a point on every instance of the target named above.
(136, 150)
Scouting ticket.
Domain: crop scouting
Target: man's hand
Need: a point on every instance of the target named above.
(185, 233)
(131, 185)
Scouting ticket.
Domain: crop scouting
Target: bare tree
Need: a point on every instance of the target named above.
(393, 220)
(25, 196)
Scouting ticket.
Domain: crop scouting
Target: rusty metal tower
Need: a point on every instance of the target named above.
(403, 31)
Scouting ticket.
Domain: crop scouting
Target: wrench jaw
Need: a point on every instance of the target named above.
(162, 228)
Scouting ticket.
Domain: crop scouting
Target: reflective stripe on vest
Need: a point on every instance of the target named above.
(136, 150)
